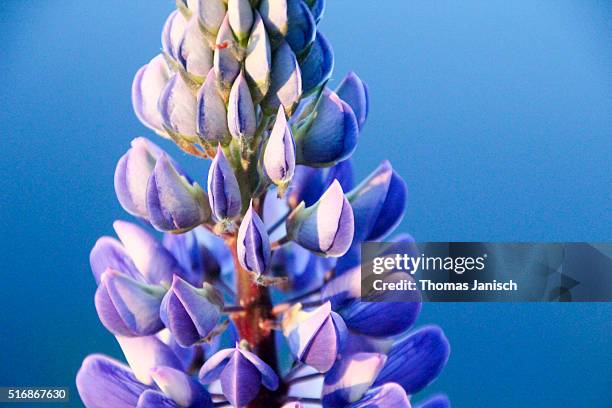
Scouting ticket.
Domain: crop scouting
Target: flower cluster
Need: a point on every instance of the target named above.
(252, 297)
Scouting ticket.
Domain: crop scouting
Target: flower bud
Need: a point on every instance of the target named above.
(211, 112)
(241, 373)
(416, 360)
(226, 63)
(317, 66)
(240, 15)
(329, 135)
(289, 20)
(286, 81)
(211, 14)
(105, 382)
(127, 307)
(241, 119)
(354, 91)
(148, 85)
(173, 33)
(315, 337)
(154, 262)
(181, 388)
(174, 202)
(132, 175)
(317, 7)
(326, 227)
(378, 203)
(109, 253)
(145, 353)
(258, 61)
(307, 185)
(387, 395)
(279, 153)
(177, 105)
(253, 244)
(351, 378)
(223, 190)
(155, 399)
(343, 172)
(190, 313)
(194, 54)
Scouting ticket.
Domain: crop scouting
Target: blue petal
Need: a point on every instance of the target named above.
(389, 395)
(317, 7)
(438, 401)
(186, 249)
(343, 172)
(286, 82)
(354, 91)
(181, 388)
(177, 105)
(212, 368)
(417, 360)
(194, 54)
(223, 189)
(145, 353)
(155, 399)
(317, 65)
(253, 244)
(241, 119)
(331, 135)
(172, 33)
(109, 253)
(240, 380)
(279, 153)
(290, 20)
(268, 377)
(342, 290)
(103, 382)
(212, 113)
(307, 185)
(227, 66)
(147, 86)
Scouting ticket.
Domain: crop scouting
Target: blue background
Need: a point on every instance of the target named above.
(497, 114)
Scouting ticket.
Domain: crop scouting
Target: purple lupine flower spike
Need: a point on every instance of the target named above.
(279, 153)
(148, 84)
(223, 190)
(174, 203)
(181, 388)
(241, 118)
(316, 337)
(326, 227)
(330, 136)
(191, 313)
(104, 382)
(127, 307)
(211, 112)
(253, 244)
(354, 91)
(241, 373)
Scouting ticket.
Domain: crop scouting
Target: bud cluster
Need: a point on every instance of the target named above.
(253, 295)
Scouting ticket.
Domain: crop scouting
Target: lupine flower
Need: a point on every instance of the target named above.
(223, 189)
(248, 83)
(326, 227)
(241, 373)
(190, 313)
(174, 203)
(279, 154)
(253, 245)
(315, 337)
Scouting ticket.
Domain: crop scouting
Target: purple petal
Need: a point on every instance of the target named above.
(145, 353)
(253, 244)
(343, 289)
(155, 399)
(317, 65)
(350, 378)
(389, 395)
(147, 86)
(223, 190)
(212, 113)
(240, 15)
(258, 61)
(127, 307)
(343, 172)
(103, 382)
(417, 360)
(279, 153)
(181, 388)
(194, 54)
(354, 91)
(212, 368)
(191, 313)
(240, 380)
(154, 261)
(268, 377)
(227, 66)
(307, 185)
(241, 119)
(286, 81)
(317, 7)
(290, 20)
(332, 134)
(211, 14)
(327, 226)
(438, 401)
(177, 105)
(173, 33)
(109, 253)
(173, 203)
(186, 250)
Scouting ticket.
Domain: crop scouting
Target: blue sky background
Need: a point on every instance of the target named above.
(498, 114)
